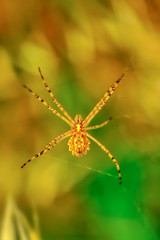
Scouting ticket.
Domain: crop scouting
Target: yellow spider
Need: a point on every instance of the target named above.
(78, 143)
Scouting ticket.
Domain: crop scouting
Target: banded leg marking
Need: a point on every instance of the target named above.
(102, 102)
(108, 153)
(100, 125)
(54, 99)
(50, 145)
(47, 105)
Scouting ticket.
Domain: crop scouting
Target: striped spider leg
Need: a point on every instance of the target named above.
(93, 113)
(78, 143)
(50, 145)
(67, 119)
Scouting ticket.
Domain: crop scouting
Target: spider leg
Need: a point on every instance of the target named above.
(50, 145)
(102, 102)
(48, 106)
(108, 153)
(54, 99)
(100, 125)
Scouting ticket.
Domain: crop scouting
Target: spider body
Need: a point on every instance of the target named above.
(78, 143)
(79, 137)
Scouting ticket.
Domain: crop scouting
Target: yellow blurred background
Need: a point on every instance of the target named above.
(82, 47)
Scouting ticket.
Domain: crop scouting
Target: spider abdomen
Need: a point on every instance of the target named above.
(78, 145)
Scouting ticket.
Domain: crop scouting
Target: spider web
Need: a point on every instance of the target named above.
(124, 189)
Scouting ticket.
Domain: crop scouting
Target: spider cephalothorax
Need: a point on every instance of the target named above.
(79, 142)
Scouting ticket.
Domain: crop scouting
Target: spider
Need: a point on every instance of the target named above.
(79, 142)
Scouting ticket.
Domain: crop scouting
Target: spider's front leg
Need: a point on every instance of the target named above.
(108, 153)
(50, 145)
(54, 99)
(102, 102)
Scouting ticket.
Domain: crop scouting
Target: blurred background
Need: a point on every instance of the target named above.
(82, 47)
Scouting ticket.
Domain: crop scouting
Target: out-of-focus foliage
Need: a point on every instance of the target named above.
(15, 225)
(82, 47)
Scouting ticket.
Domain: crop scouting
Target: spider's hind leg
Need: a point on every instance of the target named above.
(108, 153)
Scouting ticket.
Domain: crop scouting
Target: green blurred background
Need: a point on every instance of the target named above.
(82, 47)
